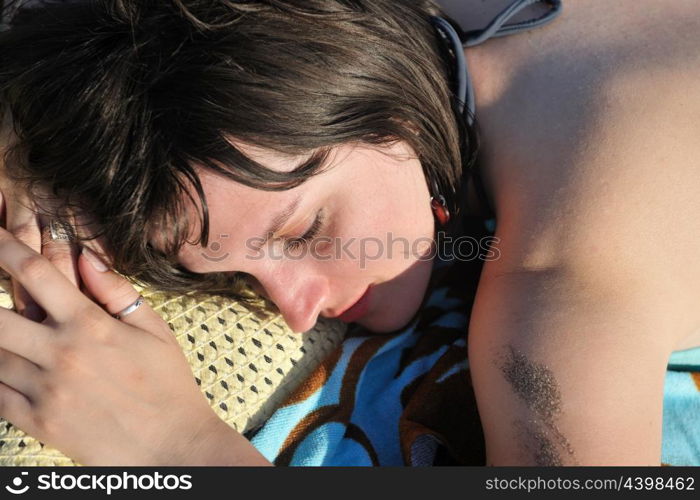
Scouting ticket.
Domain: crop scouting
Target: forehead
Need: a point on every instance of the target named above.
(227, 199)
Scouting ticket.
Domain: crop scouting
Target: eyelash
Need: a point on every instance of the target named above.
(314, 230)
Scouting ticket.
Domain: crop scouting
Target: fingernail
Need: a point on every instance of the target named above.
(93, 259)
(33, 312)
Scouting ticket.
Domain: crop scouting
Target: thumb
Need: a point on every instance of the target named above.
(115, 293)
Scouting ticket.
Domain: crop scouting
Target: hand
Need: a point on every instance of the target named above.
(102, 390)
(23, 221)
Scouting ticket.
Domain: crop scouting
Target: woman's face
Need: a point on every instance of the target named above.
(371, 225)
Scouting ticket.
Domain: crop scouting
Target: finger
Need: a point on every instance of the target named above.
(62, 253)
(115, 294)
(24, 304)
(49, 288)
(25, 338)
(23, 223)
(19, 373)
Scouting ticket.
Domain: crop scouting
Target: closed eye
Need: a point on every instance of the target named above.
(313, 231)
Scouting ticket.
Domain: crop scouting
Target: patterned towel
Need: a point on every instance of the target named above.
(407, 399)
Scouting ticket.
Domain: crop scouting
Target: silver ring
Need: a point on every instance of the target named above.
(60, 231)
(130, 308)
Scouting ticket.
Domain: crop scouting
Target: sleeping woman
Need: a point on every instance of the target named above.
(199, 144)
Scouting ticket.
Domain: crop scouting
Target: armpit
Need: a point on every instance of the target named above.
(540, 440)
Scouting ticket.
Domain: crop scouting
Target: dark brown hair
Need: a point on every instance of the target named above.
(113, 102)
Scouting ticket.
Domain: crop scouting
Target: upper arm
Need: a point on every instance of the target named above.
(568, 370)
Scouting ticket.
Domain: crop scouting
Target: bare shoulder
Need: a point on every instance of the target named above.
(592, 150)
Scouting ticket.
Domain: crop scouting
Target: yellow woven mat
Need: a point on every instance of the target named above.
(245, 366)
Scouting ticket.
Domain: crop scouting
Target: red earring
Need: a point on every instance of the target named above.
(439, 206)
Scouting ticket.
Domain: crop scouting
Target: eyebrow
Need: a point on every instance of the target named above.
(279, 221)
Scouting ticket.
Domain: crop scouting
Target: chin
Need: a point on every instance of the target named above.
(385, 325)
(394, 317)
(398, 300)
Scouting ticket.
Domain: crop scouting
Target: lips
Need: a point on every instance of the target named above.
(358, 309)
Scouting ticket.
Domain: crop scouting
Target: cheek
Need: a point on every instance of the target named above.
(406, 229)
(390, 252)
(390, 221)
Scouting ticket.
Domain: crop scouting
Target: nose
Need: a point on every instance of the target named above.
(299, 298)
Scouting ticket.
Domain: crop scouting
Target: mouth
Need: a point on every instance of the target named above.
(358, 309)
